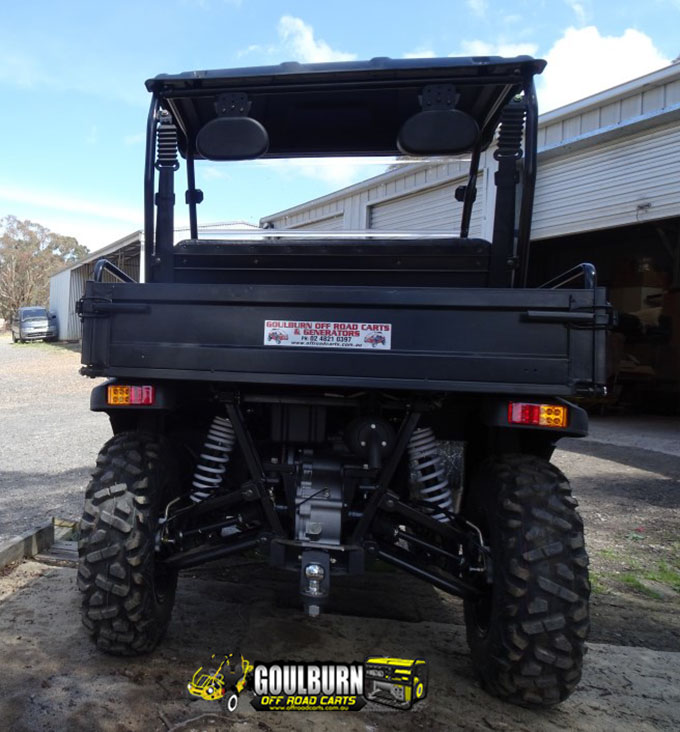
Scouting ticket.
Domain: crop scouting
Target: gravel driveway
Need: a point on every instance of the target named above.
(49, 438)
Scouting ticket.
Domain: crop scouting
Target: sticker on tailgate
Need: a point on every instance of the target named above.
(315, 334)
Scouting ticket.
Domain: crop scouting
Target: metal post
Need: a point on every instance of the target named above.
(470, 192)
(528, 182)
(149, 189)
(191, 196)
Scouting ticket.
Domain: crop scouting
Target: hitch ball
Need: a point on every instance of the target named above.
(314, 574)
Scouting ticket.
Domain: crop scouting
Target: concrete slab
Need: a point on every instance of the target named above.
(658, 434)
(27, 544)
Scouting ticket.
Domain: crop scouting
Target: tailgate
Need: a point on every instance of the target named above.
(514, 341)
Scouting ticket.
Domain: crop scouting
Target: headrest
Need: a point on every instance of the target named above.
(438, 132)
(232, 138)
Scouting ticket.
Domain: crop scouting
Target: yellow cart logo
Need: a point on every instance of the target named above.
(226, 682)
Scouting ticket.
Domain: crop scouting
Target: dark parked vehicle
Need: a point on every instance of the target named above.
(33, 323)
(296, 392)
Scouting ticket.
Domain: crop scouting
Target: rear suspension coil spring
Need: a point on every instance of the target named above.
(429, 473)
(166, 143)
(212, 463)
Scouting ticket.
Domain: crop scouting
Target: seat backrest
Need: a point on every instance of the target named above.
(450, 262)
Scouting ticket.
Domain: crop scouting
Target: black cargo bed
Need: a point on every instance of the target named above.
(515, 341)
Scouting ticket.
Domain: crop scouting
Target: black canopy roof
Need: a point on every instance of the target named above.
(344, 108)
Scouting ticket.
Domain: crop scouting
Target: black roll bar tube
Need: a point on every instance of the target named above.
(470, 192)
(585, 270)
(103, 265)
(191, 195)
(529, 181)
(149, 188)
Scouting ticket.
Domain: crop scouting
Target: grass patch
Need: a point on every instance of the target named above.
(611, 554)
(634, 583)
(597, 586)
(49, 345)
(666, 574)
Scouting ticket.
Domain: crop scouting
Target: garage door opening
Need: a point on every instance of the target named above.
(640, 266)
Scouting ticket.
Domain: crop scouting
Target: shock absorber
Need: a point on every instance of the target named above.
(429, 473)
(212, 463)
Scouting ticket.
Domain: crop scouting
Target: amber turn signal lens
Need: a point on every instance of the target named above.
(130, 395)
(539, 415)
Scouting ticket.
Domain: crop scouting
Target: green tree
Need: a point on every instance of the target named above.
(29, 255)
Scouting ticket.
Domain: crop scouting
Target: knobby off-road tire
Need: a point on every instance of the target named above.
(127, 595)
(527, 633)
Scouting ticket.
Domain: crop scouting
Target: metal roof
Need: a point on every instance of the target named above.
(130, 241)
(343, 108)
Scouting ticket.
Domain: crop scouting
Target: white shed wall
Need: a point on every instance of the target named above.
(59, 300)
(633, 179)
(433, 209)
(330, 223)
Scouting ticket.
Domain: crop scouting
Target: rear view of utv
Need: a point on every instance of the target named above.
(298, 392)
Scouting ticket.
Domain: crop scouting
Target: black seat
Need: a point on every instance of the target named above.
(451, 262)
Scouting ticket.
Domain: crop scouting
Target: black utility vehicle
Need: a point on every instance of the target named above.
(299, 394)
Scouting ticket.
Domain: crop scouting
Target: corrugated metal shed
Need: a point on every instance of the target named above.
(68, 286)
(608, 160)
(432, 209)
(328, 223)
(633, 179)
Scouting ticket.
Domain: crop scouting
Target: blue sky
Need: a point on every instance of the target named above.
(74, 104)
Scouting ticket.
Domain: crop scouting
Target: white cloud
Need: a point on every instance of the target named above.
(21, 69)
(478, 7)
(578, 10)
(297, 42)
(255, 48)
(298, 38)
(583, 62)
(48, 67)
(65, 203)
(92, 232)
(483, 48)
(338, 172)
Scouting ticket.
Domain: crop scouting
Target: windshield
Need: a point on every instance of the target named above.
(28, 313)
(348, 197)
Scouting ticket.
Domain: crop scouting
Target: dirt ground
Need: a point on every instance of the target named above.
(52, 679)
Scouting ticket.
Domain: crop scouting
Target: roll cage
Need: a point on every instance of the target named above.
(380, 107)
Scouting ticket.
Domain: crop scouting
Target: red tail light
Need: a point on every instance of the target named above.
(130, 395)
(540, 415)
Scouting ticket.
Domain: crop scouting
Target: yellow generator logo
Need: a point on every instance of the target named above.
(397, 682)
